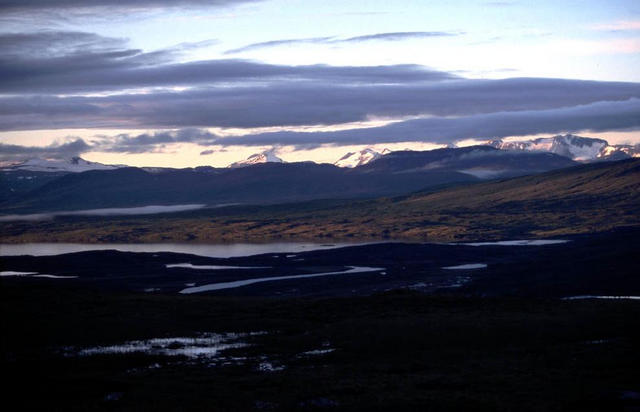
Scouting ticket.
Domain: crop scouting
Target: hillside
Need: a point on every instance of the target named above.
(266, 183)
(584, 149)
(583, 199)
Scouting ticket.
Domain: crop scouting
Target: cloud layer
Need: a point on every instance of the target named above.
(35, 5)
(9, 152)
(392, 36)
(54, 62)
(596, 117)
(69, 79)
(330, 98)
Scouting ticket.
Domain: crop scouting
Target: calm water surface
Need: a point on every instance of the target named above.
(208, 250)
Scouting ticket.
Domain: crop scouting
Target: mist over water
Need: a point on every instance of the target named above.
(117, 211)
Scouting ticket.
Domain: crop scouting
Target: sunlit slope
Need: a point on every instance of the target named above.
(583, 199)
(612, 182)
(576, 200)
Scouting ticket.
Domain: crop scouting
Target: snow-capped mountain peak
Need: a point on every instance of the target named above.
(268, 156)
(584, 149)
(74, 165)
(362, 157)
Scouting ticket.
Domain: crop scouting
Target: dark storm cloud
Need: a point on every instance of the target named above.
(596, 117)
(394, 36)
(9, 152)
(296, 103)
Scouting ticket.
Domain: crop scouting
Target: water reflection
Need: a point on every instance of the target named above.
(206, 250)
(240, 283)
(204, 346)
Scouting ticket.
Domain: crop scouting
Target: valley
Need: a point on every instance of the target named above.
(268, 205)
(584, 199)
(485, 293)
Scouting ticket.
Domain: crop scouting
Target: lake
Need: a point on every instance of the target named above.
(208, 250)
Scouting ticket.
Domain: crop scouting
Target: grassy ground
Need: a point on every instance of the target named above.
(585, 199)
(400, 351)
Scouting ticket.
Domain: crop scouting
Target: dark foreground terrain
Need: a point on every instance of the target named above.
(596, 264)
(416, 338)
(394, 351)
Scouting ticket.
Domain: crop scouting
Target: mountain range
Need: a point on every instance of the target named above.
(359, 158)
(583, 149)
(72, 165)
(586, 198)
(578, 148)
(396, 173)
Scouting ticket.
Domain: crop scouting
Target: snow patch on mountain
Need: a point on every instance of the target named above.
(73, 165)
(583, 149)
(355, 159)
(616, 152)
(268, 156)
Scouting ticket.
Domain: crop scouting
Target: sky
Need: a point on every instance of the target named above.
(185, 83)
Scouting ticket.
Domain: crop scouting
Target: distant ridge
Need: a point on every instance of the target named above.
(583, 149)
(268, 156)
(584, 199)
(362, 157)
(266, 182)
(72, 165)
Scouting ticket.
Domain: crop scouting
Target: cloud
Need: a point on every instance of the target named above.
(71, 58)
(596, 117)
(147, 142)
(76, 62)
(16, 153)
(50, 46)
(49, 43)
(395, 36)
(68, 79)
(121, 143)
(38, 5)
(323, 101)
(276, 43)
(392, 36)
